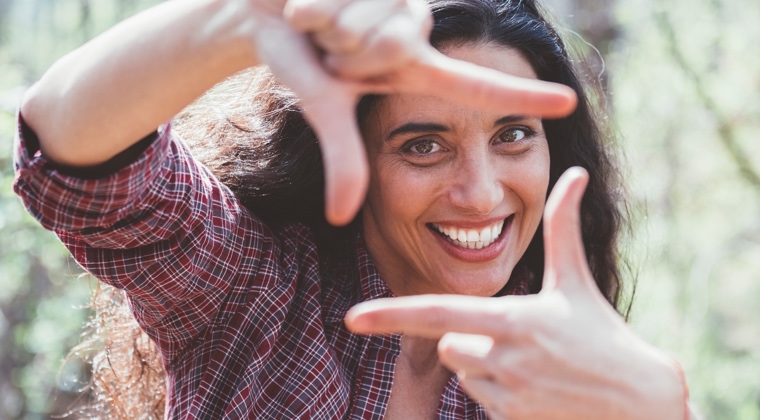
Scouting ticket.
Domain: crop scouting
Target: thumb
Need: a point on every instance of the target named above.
(343, 155)
(566, 265)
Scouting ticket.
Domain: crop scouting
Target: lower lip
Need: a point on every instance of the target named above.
(486, 253)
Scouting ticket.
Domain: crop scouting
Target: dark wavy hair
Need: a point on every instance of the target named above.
(250, 133)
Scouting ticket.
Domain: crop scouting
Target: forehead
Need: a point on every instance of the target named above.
(399, 108)
(498, 57)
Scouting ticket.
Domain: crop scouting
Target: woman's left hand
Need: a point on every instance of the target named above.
(564, 353)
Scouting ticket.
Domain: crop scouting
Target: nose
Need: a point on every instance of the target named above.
(477, 187)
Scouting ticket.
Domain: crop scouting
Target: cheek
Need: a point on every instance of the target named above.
(531, 182)
(398, 191)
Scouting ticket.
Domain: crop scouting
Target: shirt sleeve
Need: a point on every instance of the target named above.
(158, 225)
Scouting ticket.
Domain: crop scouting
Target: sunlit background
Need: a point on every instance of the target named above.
(682, 82)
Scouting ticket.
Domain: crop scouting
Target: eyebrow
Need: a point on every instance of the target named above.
(415, 127)
(509, 119)
(422, 127)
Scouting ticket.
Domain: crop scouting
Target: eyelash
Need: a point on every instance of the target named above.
(527, 133)
(408, 147)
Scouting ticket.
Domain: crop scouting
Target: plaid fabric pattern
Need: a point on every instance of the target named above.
(247, 323)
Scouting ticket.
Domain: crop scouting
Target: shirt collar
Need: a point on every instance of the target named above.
(359, 282)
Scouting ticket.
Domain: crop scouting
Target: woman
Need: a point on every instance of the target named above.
(248, 314)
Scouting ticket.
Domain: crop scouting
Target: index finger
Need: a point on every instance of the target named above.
(432, 316)
(470, 84)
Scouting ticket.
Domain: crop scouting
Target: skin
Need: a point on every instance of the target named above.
(475, 173)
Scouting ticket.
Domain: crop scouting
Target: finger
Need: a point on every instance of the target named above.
(466, 354)
(489, 89)
(494, 397)
(328, 106)
(566, 264)
(385, 51)
(312, 15)
(354, 24)
(479, 356)
(343, 155)
(432, 316)
(389, 48)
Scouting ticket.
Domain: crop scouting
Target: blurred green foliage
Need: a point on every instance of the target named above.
(42, 296)
(686, 81)
(682, 78)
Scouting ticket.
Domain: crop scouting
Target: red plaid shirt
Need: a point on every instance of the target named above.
(247, 323)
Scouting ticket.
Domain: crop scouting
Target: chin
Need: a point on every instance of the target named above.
(473, 285)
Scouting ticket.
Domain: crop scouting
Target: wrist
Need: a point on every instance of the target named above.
(650, 385)
(684, 388)
(230, 32)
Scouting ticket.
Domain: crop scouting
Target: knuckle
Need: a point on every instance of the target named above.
(515, 319)
(505, 320)
(347, 70)
(506, 372)
(345, 38)
(521, 331)
(335, 42)
(309, 15)
(356, 66)
(392, 49)
(503, 375)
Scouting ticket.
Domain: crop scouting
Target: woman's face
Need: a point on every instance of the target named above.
(456, 193)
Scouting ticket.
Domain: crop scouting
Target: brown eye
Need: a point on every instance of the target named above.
(424, 151)
(423, 147)
(512, 135)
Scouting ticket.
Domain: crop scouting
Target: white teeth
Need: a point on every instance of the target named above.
(471, 238)
(485, 235)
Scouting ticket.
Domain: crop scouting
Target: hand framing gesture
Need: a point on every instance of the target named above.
(564, 353)
(377, 46)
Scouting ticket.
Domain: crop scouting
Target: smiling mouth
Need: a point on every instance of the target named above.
(471, 238)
